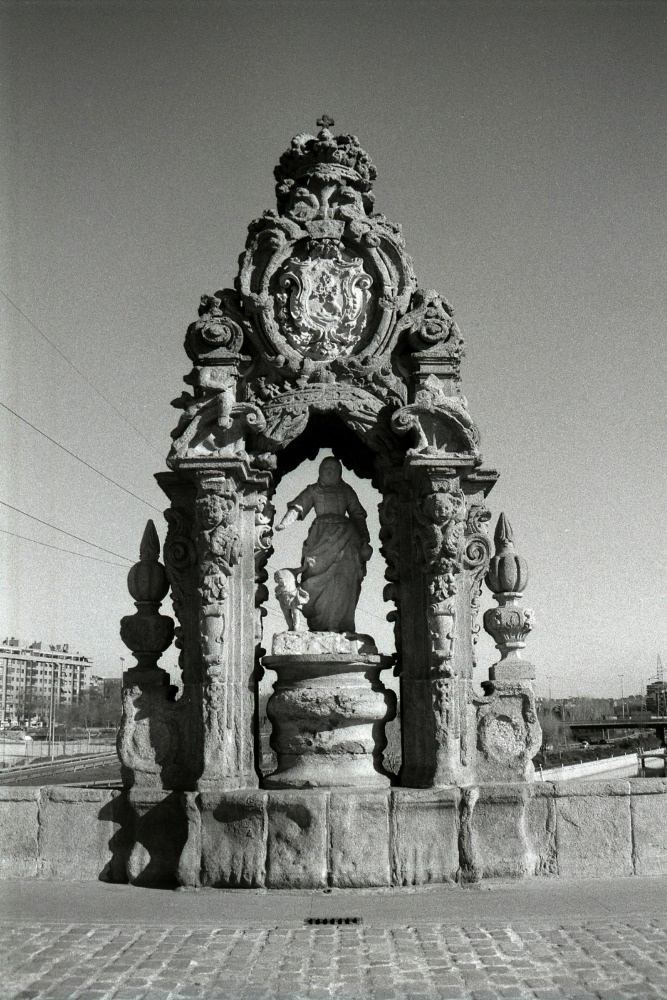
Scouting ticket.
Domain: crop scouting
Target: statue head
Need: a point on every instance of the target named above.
(330, 472)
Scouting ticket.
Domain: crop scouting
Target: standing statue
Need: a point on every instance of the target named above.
(336, 551)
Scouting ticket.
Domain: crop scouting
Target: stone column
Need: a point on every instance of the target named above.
(219, 523)
(508, 733)
(437, 551)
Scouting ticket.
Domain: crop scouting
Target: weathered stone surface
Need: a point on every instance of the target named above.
(648, 808)
(233, 839)
(424, 836)
(159, 834)
(322, 642)
(499, 843)
(20, 855)
(189, 863)
(593, 829)
(540, 827)
(77, 830)
(359, 838)
(328, 712)
(297, 840)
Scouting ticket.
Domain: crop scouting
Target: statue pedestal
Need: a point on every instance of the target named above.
(328, 711)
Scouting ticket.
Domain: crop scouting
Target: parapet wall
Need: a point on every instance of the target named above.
(345, 838)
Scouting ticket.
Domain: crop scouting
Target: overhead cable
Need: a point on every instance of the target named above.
(82, 460)
(59, 549)
(63, 532)
(80, 373)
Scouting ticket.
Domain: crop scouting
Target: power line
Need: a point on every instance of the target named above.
(59, 549)
(83, 461)
(80, 373)
(63, 532)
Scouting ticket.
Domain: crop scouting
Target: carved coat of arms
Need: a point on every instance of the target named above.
(323, 301)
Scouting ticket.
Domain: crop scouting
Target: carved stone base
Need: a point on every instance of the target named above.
(508, 733)
(148, 739)
(328, 712)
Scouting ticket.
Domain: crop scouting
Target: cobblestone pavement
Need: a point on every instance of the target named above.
(607, 959)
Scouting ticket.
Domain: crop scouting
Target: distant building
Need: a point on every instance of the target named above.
(108, 688)
(37, 678)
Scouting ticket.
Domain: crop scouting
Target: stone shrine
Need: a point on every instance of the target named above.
(325, 341)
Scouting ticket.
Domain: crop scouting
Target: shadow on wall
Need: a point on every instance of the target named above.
(149, 839)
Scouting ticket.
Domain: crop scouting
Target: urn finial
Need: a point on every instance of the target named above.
(510, 622)
(508, 571)
(147, 633)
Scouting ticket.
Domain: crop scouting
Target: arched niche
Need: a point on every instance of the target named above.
(327, 431)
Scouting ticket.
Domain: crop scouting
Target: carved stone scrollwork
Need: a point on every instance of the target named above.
(430, 326)
(441, 425)
(214, 426)
(219, 331)
(311, 269)
(477, 553)
(440, 515)
(264, 515)
(219, 548)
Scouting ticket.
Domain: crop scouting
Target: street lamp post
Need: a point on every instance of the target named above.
(622, 698)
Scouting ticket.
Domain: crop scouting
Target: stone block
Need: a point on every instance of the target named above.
(77, 830)
(500, 846)
(648, 810)
(424, 835)
(159, 833)
(359, 838)
(593, 828)
(297, 840)
(540, 827)
(19, 832)
(189, 863)
(233, 839)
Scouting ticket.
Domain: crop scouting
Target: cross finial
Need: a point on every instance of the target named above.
(326, 121)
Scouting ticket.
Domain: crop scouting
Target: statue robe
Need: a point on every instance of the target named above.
(334, 566)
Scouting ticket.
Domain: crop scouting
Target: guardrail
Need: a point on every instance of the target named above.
(587, 768)
(22, 772)
(15, 753)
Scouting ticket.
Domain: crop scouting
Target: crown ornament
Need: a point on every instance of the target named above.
(324, 155)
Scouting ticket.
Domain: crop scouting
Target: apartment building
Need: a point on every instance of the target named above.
(38, 677)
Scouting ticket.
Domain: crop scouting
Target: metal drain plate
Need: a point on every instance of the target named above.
(337, 921)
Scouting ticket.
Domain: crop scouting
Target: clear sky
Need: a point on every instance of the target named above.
(522, 147)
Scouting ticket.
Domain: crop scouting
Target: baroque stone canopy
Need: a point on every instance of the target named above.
(325, 340)
(325, 318)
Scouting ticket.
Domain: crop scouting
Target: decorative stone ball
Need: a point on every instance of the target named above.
(508, 572)
(147, 581)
